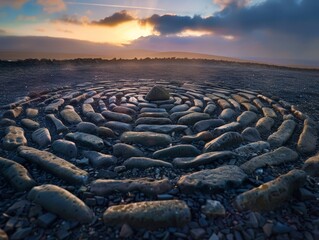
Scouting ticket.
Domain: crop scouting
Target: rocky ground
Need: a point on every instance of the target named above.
(202, 158)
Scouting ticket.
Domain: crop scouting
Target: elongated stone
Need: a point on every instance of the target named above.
(251, 134)
(14, 138)
(203, 159)
(12, 113)
(207, 124)
(181, 150)
(118, 126)
(308, 138)
(210, 108)
(86, 140)
(87, 108)
(201, 136)
(154, 114)
(61, 202)
(179, 108)
(249, 107)
(99, 159)
(96, 118)
(228, 139)
(177, 115)
(283, 133)
(212, 180)
(59, 126)
(145, 185)
(55, 165)
(273, 194)
(228, 115)
(126, 151)
(224, 104)
(191, 119)
(166, 128)
(70, 116)
(54, 106)
(42, 137)
(150, 215)
(31, 112)
(151, 121)
(247, 118)
(16, 174)
(230, 127)
(311, 166)
(268, 112)
(148, 139)
(264, 125)
(152, 110)
(120, 117)
(251, 149)
(125, 110)
(144, 163)
(29, 124)
(65, 147)
(277, 157)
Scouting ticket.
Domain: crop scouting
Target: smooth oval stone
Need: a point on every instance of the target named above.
(177, 115)
(268, 112)
(311, 166)
(212, 180)
(224, 104)
(147, 186)
(154, 114)
(14, 138)
(120, 117)
(181, 150)
(226, 140)
(86, 140)
(227, 115)
(203, 159)
(87, 108)
(210, 108)
(202, 136)
(99, 159)
(308, 138)
(273, 194)
(207, 124)
(96, 118)
(179, 108)
(283, 133)
(147, 105)
(125, 110)
(157, 93)
(67, 148)
(31, 112)
(55, 165)
(6, 122)
(59, 126)
(126, 151)
(118, 126)
(144, 163)
(70, 116)
(150, 215)
(151, 120)
(264, 125)
(166, 128)
(148, 139)
(277, 157)
(16, 174)
(153, 110)
(42, 137)
(61, 202)
(250, 149)
(247, 118)
(229, 127)
(105, 132)
(192, 118)
(87, 127)
(249, 107)
(30, 124)
(251, 134)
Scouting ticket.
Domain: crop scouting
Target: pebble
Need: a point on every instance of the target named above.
(46, 220)
(118, 126)
(197, 233)
(311, 166)
(59, 126)
(213, 208)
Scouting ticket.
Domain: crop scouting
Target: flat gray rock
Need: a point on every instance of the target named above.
(229, 127)
(144, 163)
(55, 165)
(279, 156)
(145, 185)
(150, 215)
(61, 202)
(148, 139)
(181, 150)
(228, 115)
(203, 159)
(212, 180)
(86, 140)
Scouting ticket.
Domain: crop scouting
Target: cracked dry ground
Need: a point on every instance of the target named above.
(164, 160)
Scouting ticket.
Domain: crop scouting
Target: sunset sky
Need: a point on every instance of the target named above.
(250, 29)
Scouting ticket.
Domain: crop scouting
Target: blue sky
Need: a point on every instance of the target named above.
(275, 29)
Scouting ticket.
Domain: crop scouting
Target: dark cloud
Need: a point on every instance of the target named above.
(288, 16)
(115, 19)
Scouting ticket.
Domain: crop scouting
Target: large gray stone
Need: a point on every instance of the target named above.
(55, 165)
(212, 180)
(157, 93)
(61, 202)
(70, 116)
(150, 215)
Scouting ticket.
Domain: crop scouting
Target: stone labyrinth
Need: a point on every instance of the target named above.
(118, 157)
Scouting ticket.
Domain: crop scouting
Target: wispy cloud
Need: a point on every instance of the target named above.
(115, 6)
(52, 6)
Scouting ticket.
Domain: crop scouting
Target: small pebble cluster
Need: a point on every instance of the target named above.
(147, 160)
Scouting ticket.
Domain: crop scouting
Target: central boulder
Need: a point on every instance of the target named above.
(157, 93)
